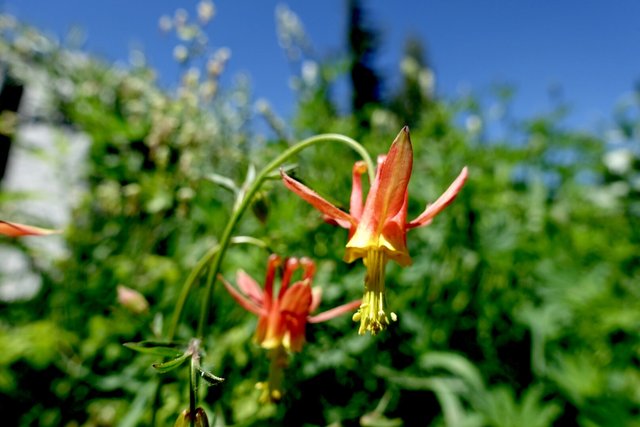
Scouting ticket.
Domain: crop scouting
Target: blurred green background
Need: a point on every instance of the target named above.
(522, 307)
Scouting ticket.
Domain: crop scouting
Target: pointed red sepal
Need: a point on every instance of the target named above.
(316, 298)
(250, 287)
(273, 263)
(308, 268)
(13, 229)
(388, 193)
(334, 312)
(244, 302)
(443, 201)
(330, 211)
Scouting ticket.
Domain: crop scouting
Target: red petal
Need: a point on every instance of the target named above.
(261, 329)
(394, 232)
(386, 198)
(241, 299)
(309, 268)
(297, 300)
(13, 229)
(290, 266)
(295, 306)
(334, 312)
(342, 218)
(295, 331)
(443, 201)
(272, 264)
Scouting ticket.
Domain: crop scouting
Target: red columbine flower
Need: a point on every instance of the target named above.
(13, 229)
(283, 316)
(377, 231)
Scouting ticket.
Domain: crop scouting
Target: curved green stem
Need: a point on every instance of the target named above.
(248, 197)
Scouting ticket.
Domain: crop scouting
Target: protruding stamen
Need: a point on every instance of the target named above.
(371, 314)
(271, 390)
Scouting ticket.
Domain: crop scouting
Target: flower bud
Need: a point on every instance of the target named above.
(132, 300)
(199, 419)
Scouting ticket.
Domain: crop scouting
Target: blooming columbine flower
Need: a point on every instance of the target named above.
(13, 229)
(377, 230)
(283, 316)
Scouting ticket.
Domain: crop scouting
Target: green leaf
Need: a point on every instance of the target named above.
(237, 240)
(209, 377)
(251, 175)
(455, 364)
(172, 364)
(156, 348)
(223, 181)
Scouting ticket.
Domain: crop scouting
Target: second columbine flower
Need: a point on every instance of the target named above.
(377, 230)
(283, 314)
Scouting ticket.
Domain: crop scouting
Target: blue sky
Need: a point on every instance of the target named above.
(589, 49)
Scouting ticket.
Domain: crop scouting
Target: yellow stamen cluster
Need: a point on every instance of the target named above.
(271, 390)
(371, 314)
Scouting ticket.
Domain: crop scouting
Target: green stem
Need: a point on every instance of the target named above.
(248, 197)
(193, 383)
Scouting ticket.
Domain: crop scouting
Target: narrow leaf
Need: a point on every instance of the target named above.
(223, 181)
(209, 377)
(455, 364)
(172, 364)
(156, 348)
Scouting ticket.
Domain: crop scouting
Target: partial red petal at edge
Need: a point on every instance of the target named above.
(250, 287)
(13, 229)
(443, 201)
(241, 299)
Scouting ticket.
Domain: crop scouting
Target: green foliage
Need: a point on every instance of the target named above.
(521, 307)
